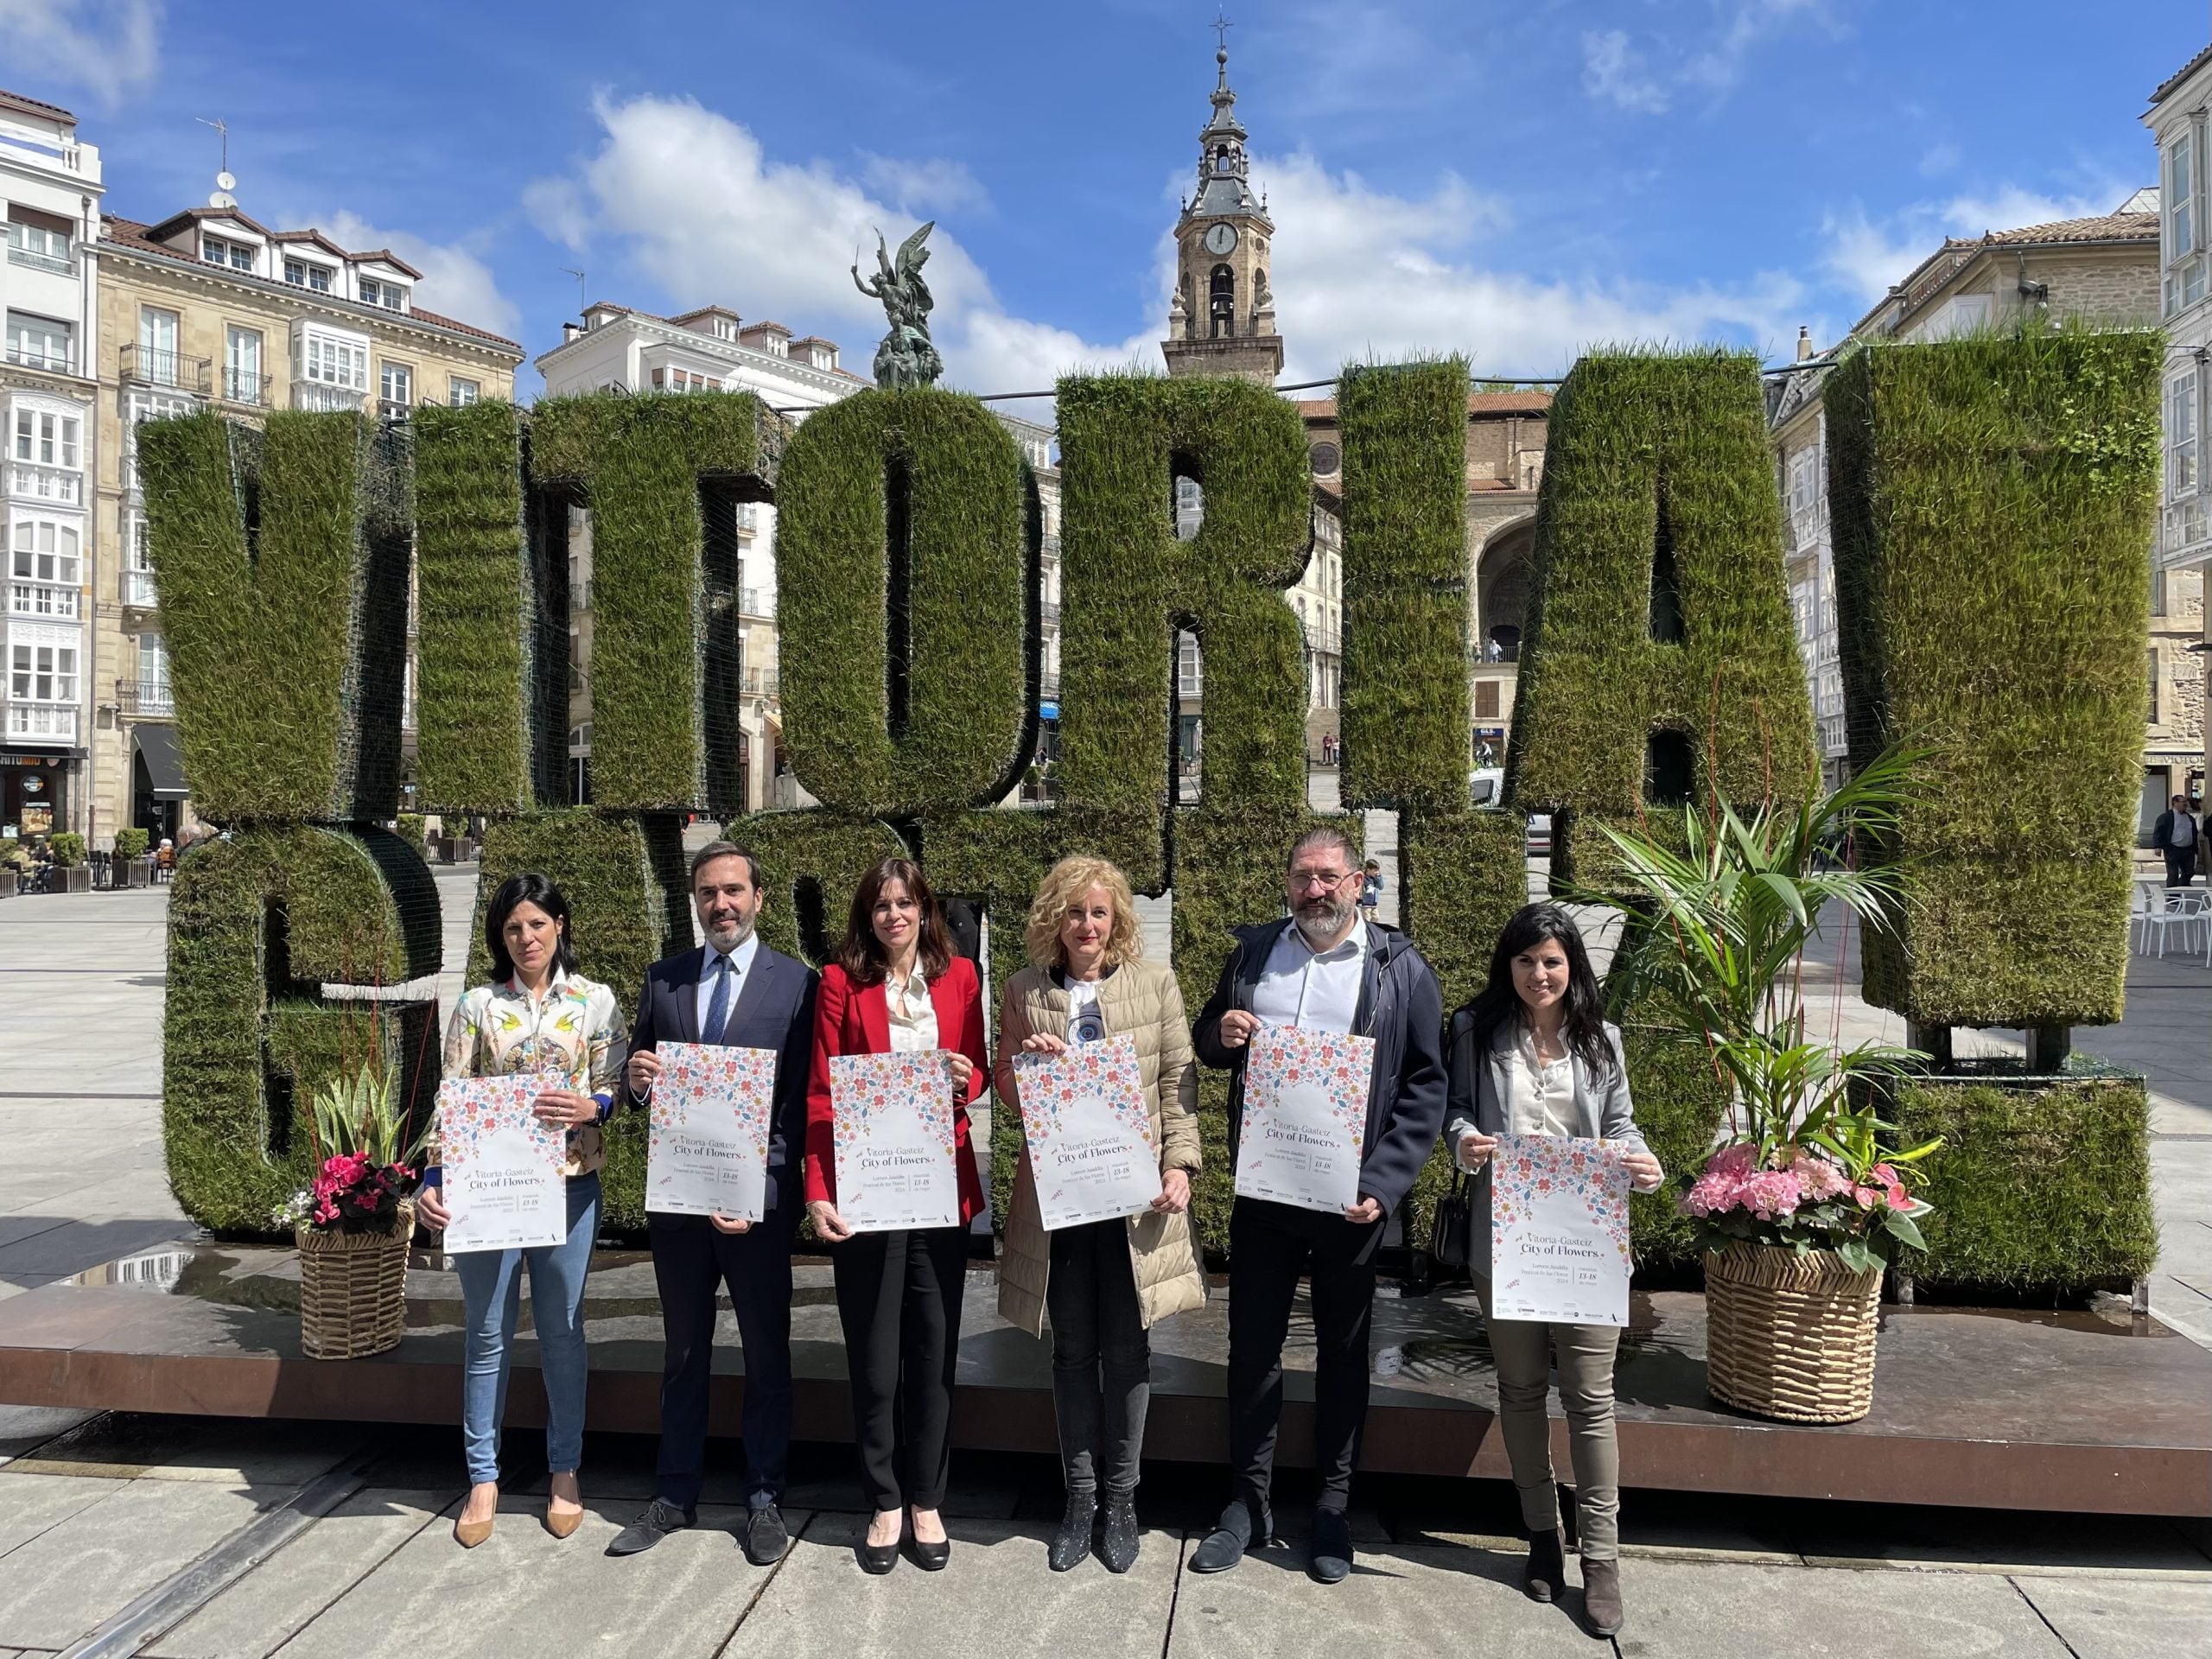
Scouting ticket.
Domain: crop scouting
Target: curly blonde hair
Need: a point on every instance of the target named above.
(1064, 884)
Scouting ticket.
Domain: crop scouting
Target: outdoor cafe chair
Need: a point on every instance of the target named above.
(2187, 909)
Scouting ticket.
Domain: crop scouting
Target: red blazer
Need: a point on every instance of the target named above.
(851, 1018)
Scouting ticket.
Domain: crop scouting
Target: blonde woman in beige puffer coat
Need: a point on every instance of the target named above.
(1103, 1284)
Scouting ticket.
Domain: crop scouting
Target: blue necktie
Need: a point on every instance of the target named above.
(718, 1005)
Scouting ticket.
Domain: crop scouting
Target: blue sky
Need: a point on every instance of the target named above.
(1513, 181)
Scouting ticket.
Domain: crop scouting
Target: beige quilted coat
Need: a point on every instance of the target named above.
(1140, 999)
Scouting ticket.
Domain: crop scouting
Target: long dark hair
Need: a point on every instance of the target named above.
(527, 889)
(1497, 1001)
(859, 953)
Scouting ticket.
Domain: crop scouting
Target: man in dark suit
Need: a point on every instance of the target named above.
(737, 991)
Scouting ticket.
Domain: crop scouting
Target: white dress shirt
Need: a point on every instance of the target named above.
(912, 1015)
(740, 964)
(1314, 992)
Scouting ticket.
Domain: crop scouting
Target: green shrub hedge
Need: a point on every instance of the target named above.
(287, 641)
(1404, 709)
(130, 841)
(1656, 464)
(476, 716)
(1992, 499)
(666, 644)
(2042, 1184)
(257, 923)
(939, 472)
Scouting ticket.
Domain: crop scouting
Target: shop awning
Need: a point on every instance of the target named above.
(156, 746)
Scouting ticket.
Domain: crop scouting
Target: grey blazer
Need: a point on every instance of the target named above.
(1475, 1105)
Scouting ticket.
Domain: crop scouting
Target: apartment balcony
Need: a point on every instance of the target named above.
(53, 362)
(141, 366)
(40, 599)
(53, 486)
(758, 684)
(246, 387)
(393, 411)
(1048, 616)
(138, 590)
(748, 517)
(1048, 686)
(53, 264)
(41, 722)
(1321, 635)
(749, 603)
(320, 395)
(145, 699)
(2184, 533)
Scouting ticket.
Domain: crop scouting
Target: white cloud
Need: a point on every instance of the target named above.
(928, 186)
(1748, 24)
(1866, 256)
(456, 282)
(1939, 160)
(1611, 68)
(110, 47)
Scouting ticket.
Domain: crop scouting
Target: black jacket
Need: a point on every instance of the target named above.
(2161, 832)
(1401, 1007)
(774, 1009)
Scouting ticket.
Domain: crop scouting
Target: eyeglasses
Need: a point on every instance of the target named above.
(1313, 880)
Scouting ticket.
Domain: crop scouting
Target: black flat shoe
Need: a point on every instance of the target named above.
(1233, 1537)
(876, 1560)
(1545, 1575)
(930, 1558)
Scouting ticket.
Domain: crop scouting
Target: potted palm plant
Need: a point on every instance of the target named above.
(1803, 1202)
(354, 1222)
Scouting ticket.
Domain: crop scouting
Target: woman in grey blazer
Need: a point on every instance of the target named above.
(1533, 1054)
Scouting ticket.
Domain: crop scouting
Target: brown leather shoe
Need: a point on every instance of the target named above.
(1601, 1596)
(562, 1526)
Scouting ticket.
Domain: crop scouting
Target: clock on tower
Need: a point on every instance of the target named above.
(1222, 319)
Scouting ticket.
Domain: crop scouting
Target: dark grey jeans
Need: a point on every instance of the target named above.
(1102, 1363)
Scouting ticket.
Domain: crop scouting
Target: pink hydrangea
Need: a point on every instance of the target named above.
(1772, 1193)
(1721, 1185)
(1818, 1175)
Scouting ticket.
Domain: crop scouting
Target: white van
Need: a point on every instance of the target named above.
(1486, 787)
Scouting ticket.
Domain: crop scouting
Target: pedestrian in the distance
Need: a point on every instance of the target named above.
(1371, 889)
(1533, 1054)
(1106, 1283)
(538, 1014)
(2177, 835)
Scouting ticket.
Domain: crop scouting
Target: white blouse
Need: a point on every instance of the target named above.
(1540, 1094)
(912, 1015)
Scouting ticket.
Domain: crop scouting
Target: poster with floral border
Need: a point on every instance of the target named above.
(713, 1111)
(1559, 1230)
(892, 1126)
(503, 1185)
(1305, 1123)
(1088, 1127)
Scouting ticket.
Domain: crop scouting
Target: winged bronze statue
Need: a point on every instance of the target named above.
(906, 361)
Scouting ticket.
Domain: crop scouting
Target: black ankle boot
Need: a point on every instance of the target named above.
(1118, 1539)
(1546, 1570)
(1073, 1542)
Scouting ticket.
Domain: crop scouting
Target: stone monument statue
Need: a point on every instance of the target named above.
(906, 361)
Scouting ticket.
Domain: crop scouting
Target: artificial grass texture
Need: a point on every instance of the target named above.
(1404, 715)
(475, 714)
(940, 473)
(1992, 499)
(281, 555)
(2041, 1183)
(1123, 439)
(666, 657)
(1656, 464)
(257, 923)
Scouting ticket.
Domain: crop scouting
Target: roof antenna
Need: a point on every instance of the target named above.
(224, 182)
(579, 275)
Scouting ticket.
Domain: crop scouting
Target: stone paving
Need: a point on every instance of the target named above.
(96, 1512)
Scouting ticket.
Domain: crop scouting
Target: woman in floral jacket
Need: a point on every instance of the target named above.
(537, 1015)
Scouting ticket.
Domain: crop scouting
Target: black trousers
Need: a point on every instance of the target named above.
(1101, 1362)
(2181, 865)
(1270, 1245)
(691, 1261)
(898, 1300)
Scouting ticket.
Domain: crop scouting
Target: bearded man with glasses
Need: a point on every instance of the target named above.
(1322, 968)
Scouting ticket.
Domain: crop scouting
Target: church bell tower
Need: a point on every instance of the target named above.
(1222, 319)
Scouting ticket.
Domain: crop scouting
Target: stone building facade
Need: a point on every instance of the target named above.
(50, 193)
(209, 307)
(2105, 269)
(2180, 118)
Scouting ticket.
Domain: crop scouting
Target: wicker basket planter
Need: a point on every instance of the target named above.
(1790, 1336)
(354, 1290)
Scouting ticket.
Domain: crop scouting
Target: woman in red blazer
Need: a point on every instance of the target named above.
(896, 986)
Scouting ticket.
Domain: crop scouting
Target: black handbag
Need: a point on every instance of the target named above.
(1448, 1229)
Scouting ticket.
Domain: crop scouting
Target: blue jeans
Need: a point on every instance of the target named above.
(491, 1290)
